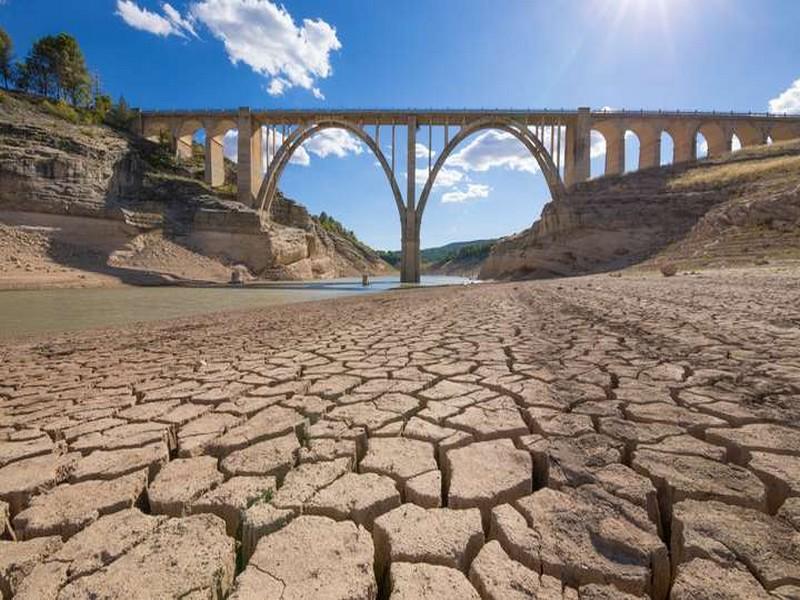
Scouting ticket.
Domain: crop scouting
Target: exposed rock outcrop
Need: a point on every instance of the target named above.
(739, 209)
(101, 190)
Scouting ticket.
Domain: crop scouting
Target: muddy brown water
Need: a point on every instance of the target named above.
(29, 312)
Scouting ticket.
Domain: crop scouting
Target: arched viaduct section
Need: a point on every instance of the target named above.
(559, 141)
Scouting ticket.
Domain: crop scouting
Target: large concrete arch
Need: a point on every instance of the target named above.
(269, 185)
(520, 132)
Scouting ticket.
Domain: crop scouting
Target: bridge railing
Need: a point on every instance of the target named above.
(693, 113)
(468, 111)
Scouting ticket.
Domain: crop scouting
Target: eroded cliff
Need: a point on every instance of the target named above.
(742, 208)
(99, 200)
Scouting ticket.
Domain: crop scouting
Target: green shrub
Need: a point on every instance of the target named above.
(62, 110)
(328, 223)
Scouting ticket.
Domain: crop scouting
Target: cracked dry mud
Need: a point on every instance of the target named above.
(594, 438)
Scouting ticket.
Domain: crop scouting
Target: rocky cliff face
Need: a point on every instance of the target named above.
(51, 166)
(743, 208)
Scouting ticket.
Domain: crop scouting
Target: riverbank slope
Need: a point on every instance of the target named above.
(739, 209)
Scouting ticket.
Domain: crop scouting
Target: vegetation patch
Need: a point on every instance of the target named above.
(737, 172)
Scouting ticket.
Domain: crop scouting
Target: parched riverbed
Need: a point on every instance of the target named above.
(583, 439)
(51, 310)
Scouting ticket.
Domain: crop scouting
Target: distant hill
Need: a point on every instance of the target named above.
(451, 250)
(455, 258)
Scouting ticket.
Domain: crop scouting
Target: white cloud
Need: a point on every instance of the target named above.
(334, 142)
(277, 86)
(421, 151)
(265, 37)
(494, 149)
(702, 146)
(473, 190)
(598, 147)
(788, 101)
(170, 23)
(446, 178)
(178, 22)
(230, 145)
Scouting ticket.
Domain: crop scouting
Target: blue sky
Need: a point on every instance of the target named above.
(687, 54)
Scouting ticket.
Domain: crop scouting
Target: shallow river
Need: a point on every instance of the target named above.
(37, 311)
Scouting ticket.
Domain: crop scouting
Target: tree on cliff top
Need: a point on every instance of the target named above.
(55, 67)
(6, 51)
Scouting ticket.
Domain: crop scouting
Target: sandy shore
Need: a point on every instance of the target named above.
(599, 437)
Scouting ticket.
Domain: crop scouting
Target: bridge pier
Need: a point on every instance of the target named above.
(410, 259)
(578, 147)
(684, 143)
(248, 171)
(649, 148)
(183, 147)
(615, 153)
(409, 249)
(215, 160)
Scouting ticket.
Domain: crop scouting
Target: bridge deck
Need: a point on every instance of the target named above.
(432, 116)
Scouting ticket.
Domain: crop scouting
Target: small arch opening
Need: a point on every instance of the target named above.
(597, 154)
(632, 146)
(701, 146)
(667, 149)
(736, 143)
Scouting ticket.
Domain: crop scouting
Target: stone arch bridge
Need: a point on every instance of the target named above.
(560, 142)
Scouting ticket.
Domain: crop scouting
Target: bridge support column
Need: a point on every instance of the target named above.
(615, 154)
(215, 161)
(409, 267)
(248, 173)
(684, 144)
(183, 147)
(649, 149)
(578, 145)
(719, 144)
(751, 136)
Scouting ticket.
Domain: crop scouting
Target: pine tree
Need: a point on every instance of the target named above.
(6, 52)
